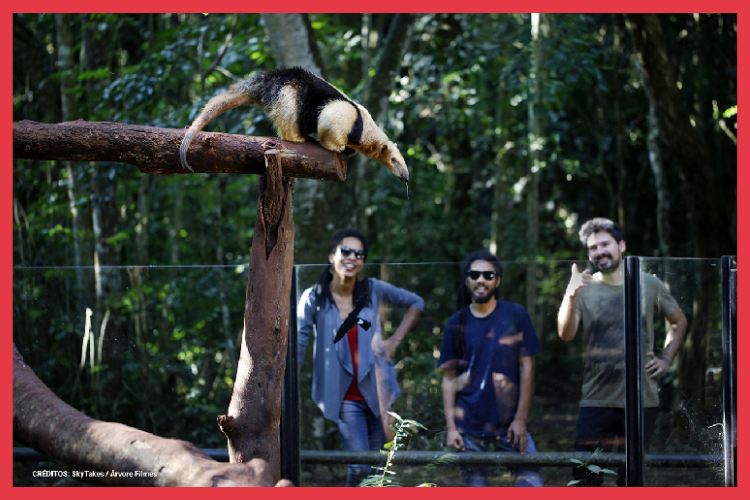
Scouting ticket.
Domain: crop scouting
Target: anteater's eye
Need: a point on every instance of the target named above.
(393, 160)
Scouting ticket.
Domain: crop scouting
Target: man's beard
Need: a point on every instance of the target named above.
(609, 267)
(483, 299)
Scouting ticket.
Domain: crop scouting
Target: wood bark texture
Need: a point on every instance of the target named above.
(252, 422)
(707, 213)
(77, 442)
(157, 150)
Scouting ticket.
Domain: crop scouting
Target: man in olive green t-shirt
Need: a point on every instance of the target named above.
(597, 302)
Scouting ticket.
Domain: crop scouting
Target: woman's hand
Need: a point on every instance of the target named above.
(389, 346)
(391, 343)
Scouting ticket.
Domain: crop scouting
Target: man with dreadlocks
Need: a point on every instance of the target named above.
(488, 372)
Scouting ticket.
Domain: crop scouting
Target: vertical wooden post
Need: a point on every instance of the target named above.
(252, 422)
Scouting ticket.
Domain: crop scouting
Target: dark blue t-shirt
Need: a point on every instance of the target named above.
(488, 372)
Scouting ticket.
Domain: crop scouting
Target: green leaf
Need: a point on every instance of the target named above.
(575, 461)
(574, 481)
(594, 468)
(607, 471)
(118, 237)
(413, 423)
(730, 112)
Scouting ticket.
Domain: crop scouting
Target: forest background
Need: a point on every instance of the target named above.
(515, 129)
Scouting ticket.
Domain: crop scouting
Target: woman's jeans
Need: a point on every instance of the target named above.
(361, 430)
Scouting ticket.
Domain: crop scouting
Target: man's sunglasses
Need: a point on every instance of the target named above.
(488, 275)
(359, 254)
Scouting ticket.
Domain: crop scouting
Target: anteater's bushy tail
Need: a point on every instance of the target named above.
(241, 93)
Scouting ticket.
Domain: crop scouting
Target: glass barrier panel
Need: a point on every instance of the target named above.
(557, 367)
(687, 399)
(159, 348)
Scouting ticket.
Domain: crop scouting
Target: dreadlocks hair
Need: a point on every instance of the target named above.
(464, 294)
(599, 224)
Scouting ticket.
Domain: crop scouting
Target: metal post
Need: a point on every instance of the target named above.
(289, 435)
(634, 449)
(729, 365)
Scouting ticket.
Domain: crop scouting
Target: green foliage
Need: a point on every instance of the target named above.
(405, 430)
(589, 467)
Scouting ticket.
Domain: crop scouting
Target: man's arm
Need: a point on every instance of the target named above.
(450, 383)
(517, 431)
(567, 318)
(677, 327)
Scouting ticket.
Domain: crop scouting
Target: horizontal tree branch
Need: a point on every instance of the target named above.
(157, 150)
(113, 454)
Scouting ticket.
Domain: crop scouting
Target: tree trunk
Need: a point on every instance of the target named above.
(291, 39)
(707, 213)
(157, 150)
(66, 66)
(535, 147)
(619, 201)
(252, 422)
(660, 177)
(112, 454)
(107, 281)
(389, 64)
(499, 198)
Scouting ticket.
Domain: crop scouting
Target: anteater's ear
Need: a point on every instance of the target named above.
(383, 149)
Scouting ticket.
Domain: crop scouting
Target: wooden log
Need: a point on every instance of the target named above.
(252, 421)
(157, 150)
(113, 454)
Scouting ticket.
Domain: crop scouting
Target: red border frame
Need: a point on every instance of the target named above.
(6, 228)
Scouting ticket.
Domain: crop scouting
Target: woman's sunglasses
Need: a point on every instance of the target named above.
(488, 275)
(359, 254)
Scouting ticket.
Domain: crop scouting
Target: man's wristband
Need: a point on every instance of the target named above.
(665, 359)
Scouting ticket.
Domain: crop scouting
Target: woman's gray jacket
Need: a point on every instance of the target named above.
(332, 365)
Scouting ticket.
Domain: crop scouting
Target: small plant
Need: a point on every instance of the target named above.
(404, 432)
(589, 467)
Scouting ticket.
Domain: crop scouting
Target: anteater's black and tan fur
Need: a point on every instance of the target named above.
(300, 103)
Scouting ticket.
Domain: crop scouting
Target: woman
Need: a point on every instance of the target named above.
(354, 379)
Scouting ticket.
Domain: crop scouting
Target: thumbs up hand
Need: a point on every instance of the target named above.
(578, 280)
